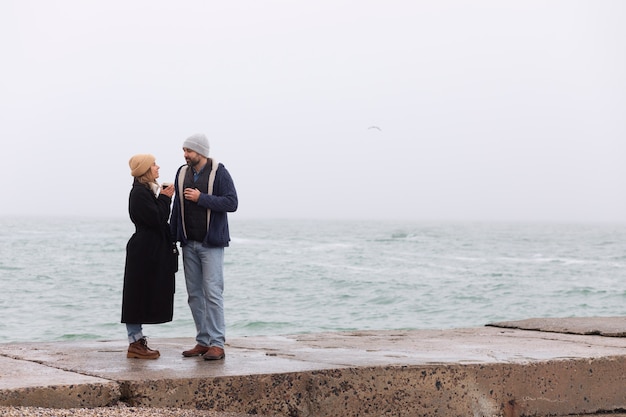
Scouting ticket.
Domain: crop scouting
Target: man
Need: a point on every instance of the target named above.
(205, 193)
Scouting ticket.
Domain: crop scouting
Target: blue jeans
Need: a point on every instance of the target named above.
(134, 332)
(204, 277)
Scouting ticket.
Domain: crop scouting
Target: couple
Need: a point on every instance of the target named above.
(204, 193)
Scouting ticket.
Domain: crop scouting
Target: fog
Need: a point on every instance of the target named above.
(412, 110)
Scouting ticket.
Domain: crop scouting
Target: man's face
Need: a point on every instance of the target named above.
(192, 157)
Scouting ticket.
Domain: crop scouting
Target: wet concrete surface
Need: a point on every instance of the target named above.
(497, 370)
(605, 326)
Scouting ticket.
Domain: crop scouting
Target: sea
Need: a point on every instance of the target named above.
(61, 278)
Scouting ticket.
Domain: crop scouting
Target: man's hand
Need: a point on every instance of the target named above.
(192, 194)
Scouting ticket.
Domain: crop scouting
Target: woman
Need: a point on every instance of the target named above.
(151, 257)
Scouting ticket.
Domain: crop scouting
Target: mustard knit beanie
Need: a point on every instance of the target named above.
(140, 164)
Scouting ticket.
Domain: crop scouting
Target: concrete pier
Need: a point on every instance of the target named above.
(535, 367)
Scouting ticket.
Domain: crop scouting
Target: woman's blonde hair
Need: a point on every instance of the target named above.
(147, 179)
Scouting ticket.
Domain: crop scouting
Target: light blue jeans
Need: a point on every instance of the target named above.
(135, 332)
(204, 277)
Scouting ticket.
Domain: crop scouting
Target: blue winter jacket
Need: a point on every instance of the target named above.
(220, 202)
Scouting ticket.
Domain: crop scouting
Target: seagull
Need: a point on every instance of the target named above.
(374, 127)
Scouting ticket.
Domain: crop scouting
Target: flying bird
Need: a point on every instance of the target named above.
(374, 127)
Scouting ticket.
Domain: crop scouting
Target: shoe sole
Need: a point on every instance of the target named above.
(213, 358)
(135, 356)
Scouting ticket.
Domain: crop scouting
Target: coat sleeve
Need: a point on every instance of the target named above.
(143, 209)
(175, 218)
(224, 197)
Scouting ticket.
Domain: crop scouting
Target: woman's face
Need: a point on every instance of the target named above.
(154, 170)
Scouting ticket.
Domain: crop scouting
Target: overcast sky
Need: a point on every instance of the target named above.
(488, 110)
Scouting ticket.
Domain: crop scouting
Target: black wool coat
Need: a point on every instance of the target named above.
(148, 294)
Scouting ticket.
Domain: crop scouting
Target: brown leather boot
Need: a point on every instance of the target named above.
(197, 350)
(140, 350)
(214, 353)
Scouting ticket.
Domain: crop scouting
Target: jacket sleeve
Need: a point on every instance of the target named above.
(224, 197)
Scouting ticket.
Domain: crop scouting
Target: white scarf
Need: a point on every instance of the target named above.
(155, 188)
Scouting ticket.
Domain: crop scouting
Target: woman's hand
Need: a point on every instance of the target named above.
(168, 191)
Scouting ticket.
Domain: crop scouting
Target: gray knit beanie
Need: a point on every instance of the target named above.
(198, 143)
